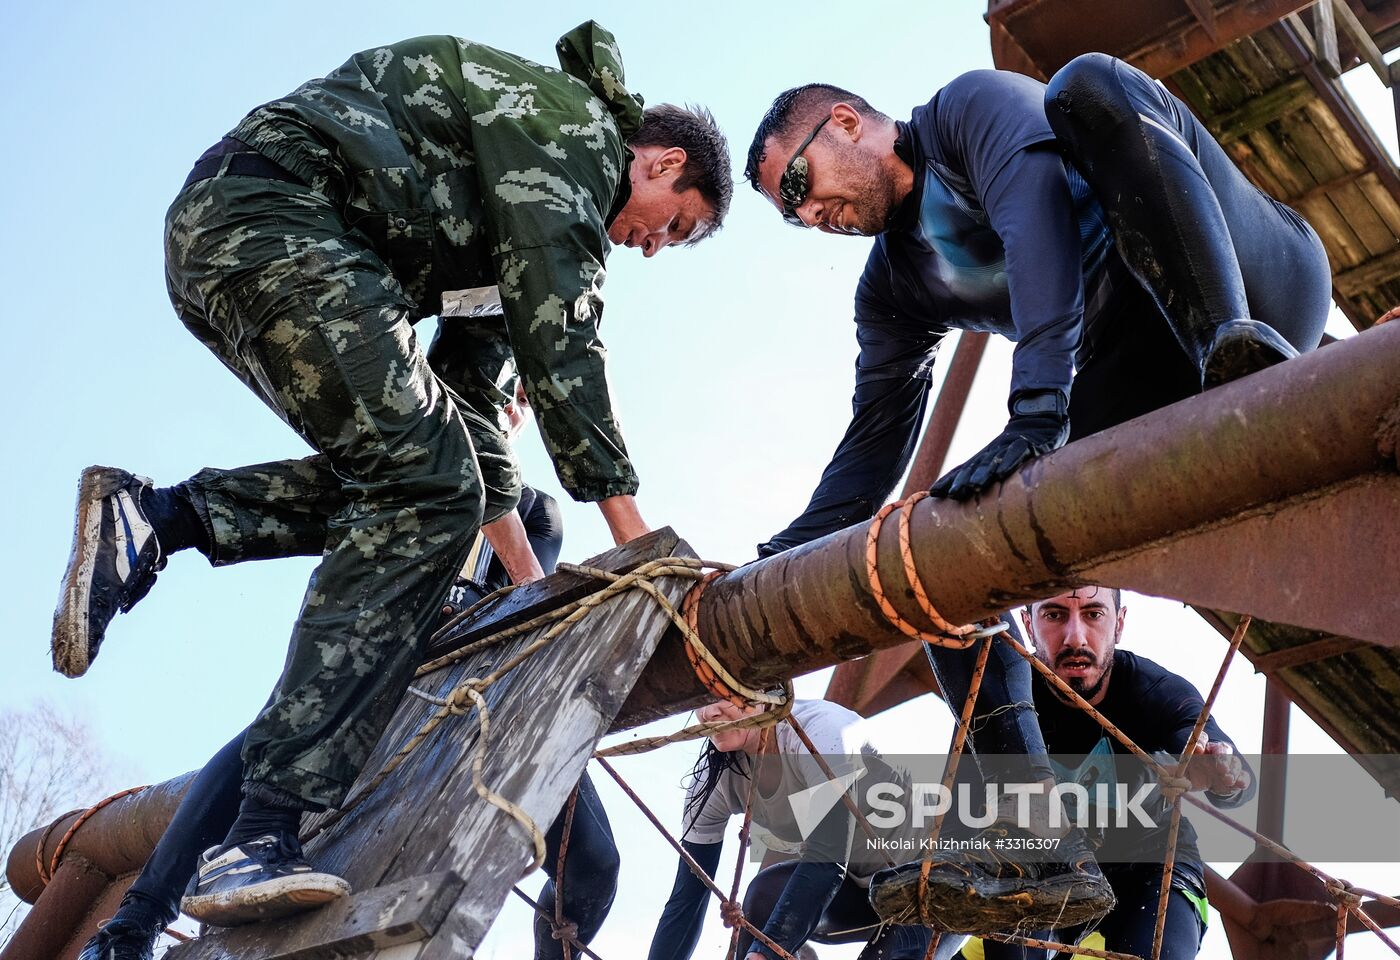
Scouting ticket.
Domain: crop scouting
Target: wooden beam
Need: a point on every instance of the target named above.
(408, 911)
(1370, 274)
(1352, 27)
(1325, 38)
(1204, 12)
(1322, 189)
(1291, 657)
(426, 818)
(1262, 110)
(553, 592)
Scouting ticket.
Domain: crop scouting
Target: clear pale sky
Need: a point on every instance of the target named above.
(731, 362)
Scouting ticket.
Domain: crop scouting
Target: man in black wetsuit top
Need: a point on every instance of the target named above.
(1076, 634)
(1095, 222)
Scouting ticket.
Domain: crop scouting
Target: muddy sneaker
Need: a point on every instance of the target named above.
(113, 564)
(1242, 347)
(261, 879)
(982, 891)
(122, 940)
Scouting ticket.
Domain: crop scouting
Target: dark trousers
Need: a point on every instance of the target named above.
(1197, 244)
(1004, 717)
(848, 918)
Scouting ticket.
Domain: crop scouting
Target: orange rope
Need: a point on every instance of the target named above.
(946, 634)
(690, 607)
(46, 872)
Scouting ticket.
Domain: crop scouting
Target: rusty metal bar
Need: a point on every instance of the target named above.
(947, 412)
(1293, 431)
(1273, 762)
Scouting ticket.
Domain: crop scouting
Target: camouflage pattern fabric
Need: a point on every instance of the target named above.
(430, 165)
(282, 509)
(465, 166)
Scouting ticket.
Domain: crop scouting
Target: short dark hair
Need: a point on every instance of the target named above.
(707, 167)
(794, 107)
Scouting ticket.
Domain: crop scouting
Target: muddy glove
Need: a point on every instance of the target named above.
(1039, 423)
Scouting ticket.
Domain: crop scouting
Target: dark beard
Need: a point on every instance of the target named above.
(1090, 692)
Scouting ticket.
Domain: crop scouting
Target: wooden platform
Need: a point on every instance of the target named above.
(430, 861)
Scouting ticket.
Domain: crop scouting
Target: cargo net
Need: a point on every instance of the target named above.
(466, 698)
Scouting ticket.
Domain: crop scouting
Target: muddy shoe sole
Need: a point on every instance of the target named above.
(269, 900)
(960, 903)
(73, 637)
(1243, 347)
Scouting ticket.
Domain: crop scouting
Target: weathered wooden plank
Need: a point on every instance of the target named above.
(1383, 200)
(1280, 156)
(406, 912)
(1197, 94)
(554, 591)
(1259, 112)
(1324, 34)
(567, 719)
(1264, 71)
(1355, 32)
(1333, 138)
(1360, 279)
(546, 717)
(423, 777)
(1318, 189)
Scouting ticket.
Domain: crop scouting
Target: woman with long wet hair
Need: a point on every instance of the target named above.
(821, 895)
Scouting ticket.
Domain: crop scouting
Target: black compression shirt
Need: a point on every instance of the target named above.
(1157, 710)
(998, 234)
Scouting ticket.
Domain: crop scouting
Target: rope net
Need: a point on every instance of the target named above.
(468, 696)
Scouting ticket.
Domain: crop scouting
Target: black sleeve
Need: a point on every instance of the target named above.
(892, 382)
(1180, 704)
(805, 896)
(992, 124)
(544, 528)
(678, 930)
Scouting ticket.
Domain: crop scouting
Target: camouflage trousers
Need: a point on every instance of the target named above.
(295, 303)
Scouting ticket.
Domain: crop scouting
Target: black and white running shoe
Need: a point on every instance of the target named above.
(113, 564)
(121, 940)
(261, 879)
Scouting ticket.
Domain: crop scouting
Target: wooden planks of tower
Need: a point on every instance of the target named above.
(430, 861)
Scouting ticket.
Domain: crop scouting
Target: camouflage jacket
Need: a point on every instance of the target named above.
(468, 166)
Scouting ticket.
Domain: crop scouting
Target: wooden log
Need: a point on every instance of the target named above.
(555, 591)
(426, 818)
(406, 912)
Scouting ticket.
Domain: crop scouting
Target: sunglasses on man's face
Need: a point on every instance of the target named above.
(793, 187)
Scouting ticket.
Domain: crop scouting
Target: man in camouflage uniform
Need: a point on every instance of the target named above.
(300, 251)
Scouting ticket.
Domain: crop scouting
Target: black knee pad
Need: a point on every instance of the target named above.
(1085, 95)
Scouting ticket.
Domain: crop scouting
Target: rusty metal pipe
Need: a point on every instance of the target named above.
(115, 840)
(1313, 422)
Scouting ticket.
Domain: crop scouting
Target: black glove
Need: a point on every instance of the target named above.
(1038, 425)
